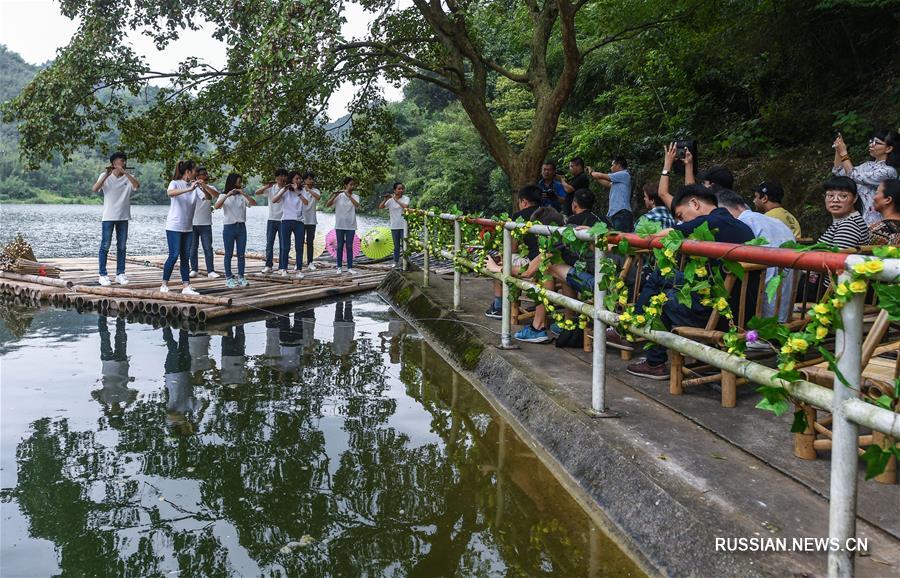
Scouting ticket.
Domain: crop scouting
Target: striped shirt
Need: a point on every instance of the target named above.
(661, 215)
(847, 232)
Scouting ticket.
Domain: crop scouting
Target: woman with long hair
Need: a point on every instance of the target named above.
(887, 203)
(234, 203)
(292, 202)
(184, 194)
(345, 203)
(310, 221)
(885, 153)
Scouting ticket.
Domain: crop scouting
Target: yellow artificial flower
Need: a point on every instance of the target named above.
(787, 350)
(789, 366)
(874, 266)
(821, 332)
(640, 320)
(837, 303)
(651, 310)
(668, 253)
(821, 308)
(706, 302)
(625, 317)
(700, 272)
(842, 289)
(620, 284)
(704, 291)
(824, 320)
(860, 268)
(721, 304)
(798, 344)
(623, 299)
(665, 270)
(858, 286)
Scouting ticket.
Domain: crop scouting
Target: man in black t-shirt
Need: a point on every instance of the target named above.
(693, 206)
(579, 181)
(528, 199)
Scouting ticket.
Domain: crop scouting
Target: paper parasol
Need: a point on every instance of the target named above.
(318, 246)
(331, 244)
(377, 243)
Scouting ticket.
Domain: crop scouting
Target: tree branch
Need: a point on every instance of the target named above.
(630, 32)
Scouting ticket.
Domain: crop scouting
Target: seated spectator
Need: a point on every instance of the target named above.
(773, 231)
(529, 198)
(767, 198)
(693, 206)
(715, 177)
(848, 228)
(536, 331)
(579, 181)
(656, 208)
(582, 210)
(887, 203)
(618, 181)
(885, 153)
(553, 193)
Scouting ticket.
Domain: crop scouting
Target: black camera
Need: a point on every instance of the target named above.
(681, 147)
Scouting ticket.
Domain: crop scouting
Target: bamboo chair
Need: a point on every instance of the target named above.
(633, 262)
(878, 377)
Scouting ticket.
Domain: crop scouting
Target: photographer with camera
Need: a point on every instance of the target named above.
(117, 185)
(395, 203)
(580, 181)
(553, 194)
(618, 181)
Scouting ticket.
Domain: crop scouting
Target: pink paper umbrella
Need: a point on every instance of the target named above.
(331, 244)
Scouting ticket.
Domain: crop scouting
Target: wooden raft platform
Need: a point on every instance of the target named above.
(77, 287)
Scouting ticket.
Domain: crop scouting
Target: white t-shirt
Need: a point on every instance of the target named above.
(234, 209)
(345, 212)
(396, 212)
(309, 211)
(116, 197)
(182, 208)
(275, 209)
(291, 206)
(203, 214)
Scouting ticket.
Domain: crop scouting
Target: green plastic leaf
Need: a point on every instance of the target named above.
(832, 365)
(876, 461)
(757, 242)
(623, 247)
(766, 327)
(886, 402)
(889, 299)
(733, 267)
(778, 408)
(645, 227)
(702, 233)
(598, 229)
(800, 424)
(772, 286)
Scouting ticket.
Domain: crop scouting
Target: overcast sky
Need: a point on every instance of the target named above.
(36, 29)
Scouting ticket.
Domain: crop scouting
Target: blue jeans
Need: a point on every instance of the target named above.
(288, 228)
(310, 231)
(121, 228)
(272, 228)
(202, 234)
(674, 314)
(397, 236)
(179, 250)
(345, 237)
(231, 234)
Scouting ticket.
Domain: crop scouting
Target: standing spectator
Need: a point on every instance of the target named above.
(292, 202)
(273, 224)
(867, 176)
(184, 195)
(618, 181)
(767, 198)
(203, 227)
(580, 181)
(553, 194)
(848, 228)
(887, 203)
(312, 195)
(117, 185)
(395, 203)
(234, 205)
(776, 234)
(345, 203)
(656, 209)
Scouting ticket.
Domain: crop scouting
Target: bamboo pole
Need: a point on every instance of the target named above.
(49, 281)
(145, 294)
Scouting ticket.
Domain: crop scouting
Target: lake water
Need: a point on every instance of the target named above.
(74, 230)
(329, 441)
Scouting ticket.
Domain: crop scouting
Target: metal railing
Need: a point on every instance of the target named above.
(848, 411)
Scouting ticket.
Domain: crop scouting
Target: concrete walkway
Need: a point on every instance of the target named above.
(673, 473)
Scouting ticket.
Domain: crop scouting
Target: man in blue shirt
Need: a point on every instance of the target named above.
(553, 194)
(693, 206)
(618, 181)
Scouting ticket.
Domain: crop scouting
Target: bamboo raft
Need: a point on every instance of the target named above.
(140, 300)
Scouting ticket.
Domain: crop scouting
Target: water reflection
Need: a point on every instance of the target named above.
(114, 394)
(359, 456)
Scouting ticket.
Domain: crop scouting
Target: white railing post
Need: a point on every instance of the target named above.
(457, 277)
(598, 361)
(404, 264)
(506, 322)
(845, 445)
(425, 252)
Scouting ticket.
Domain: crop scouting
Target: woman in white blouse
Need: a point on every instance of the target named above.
(234, 205)
(345, 203)
(184, 196)
(868, 175)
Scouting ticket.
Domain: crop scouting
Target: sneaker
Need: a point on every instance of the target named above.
(189, 291)
(299, 275)
(121, 279)
(266, 269)
(231, 283)
(340, 270)
(555, 329)
(532, 335)
(164, 289)
(351, 271)
(104, 280)
(242, 281)
(282, 272)
(312, 267)
(494, 313)
(213, 275)
(616, 341)
(192, 274)
(643, 369)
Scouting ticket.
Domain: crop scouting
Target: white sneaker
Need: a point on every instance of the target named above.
(340, 270)
(266, 269)
(213, 275)
(104, 280)
(188, 291)
(164, 289)
(351, 271)
(299, 274)
(121, 279)
(192, 274)
(282, 272)
(311, 267)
